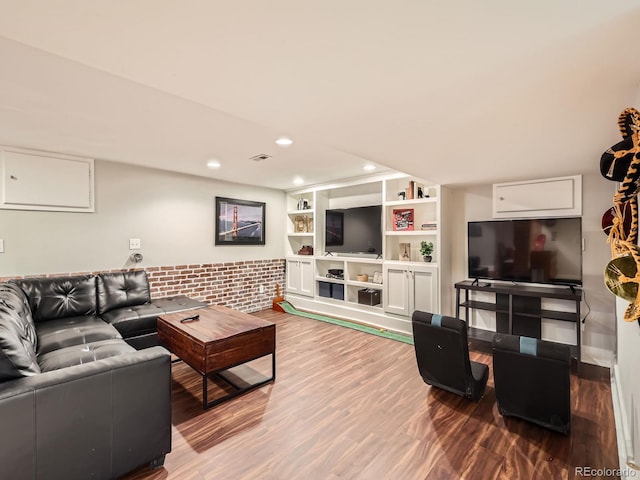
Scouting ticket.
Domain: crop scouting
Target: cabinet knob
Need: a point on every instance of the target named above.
(501, 198)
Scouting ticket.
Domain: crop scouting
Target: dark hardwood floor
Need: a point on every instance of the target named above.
(349, 405)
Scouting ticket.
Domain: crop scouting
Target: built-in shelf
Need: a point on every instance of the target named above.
(407, 284)
(330, 280)
(300, 212)
(411, 232)
(408, 203)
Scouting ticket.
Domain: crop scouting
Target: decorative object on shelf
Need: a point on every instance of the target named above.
(426, 249)
(362, 277)
(369, 296)
(429, 226)
(377, 277)
(416, 191)
(300, 224)
(337, 273)
(402, 195)
(303, 204)
(409, 190)
(239, 222)
(305, 250)
(404, 252)
(403, 219)
(309, 223)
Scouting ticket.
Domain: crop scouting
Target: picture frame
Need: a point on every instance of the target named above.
(404, 252)
(300, 224)
(334, 232)
(239, 222)
(403, 219)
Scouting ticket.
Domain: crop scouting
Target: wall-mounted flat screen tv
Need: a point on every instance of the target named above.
(545, 250)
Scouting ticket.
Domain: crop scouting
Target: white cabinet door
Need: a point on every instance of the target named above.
(300, 274)
(423, 290)
(306, 277)
(293, 276)
(411, 287)
(396, 281)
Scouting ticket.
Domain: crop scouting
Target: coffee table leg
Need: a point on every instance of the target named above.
(205, 402)
(239, 390)
(273, 366)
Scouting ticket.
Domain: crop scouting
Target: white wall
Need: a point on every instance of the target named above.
(172, 214)
(598, 334)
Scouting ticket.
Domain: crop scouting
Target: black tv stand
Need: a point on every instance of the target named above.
(519, 311)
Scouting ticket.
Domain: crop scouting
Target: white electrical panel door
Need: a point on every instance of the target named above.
(40, 181)
(538, 198)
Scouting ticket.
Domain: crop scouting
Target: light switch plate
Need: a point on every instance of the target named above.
(134, 244)
(1, 245)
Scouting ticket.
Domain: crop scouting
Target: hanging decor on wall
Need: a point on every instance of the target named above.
(621, 163)
(239, 222)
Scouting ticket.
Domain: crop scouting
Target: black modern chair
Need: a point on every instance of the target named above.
(442, 353)
(533, 380)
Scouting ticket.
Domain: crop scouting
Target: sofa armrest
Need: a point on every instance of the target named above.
(97, 420)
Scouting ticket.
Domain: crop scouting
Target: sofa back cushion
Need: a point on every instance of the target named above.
(18, 340)
(122, 289)
(60, 297)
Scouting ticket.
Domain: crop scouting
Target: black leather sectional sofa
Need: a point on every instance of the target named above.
(80, 394)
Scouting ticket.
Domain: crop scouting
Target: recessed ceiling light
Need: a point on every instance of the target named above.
(298, 180)
(369, 167)
(213, 164)
(284, 141)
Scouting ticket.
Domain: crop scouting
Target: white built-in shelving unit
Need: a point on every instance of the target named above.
(404, 282)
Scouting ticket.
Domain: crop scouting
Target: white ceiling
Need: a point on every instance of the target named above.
(456, 92)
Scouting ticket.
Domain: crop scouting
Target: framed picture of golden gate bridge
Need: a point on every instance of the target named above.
(239, 222)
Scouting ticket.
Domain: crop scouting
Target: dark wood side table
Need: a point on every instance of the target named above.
(219, 339)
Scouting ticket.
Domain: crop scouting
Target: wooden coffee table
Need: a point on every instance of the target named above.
(219, 339)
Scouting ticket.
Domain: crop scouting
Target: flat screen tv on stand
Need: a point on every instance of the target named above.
(544, 251)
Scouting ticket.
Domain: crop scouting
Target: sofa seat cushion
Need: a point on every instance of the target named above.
(85, 353)
(66, 332)
(178, 303)
(17, 334)
(122, 289)
(134, 320)
(60, 297)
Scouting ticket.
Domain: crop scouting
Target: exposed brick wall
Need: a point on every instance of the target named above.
(233, 284)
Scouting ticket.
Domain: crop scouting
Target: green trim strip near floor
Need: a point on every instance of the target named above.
(344, 323)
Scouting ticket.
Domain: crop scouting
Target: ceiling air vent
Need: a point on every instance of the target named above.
(261, 157)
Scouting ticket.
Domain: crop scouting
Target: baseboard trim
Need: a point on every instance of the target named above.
(623, 435)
